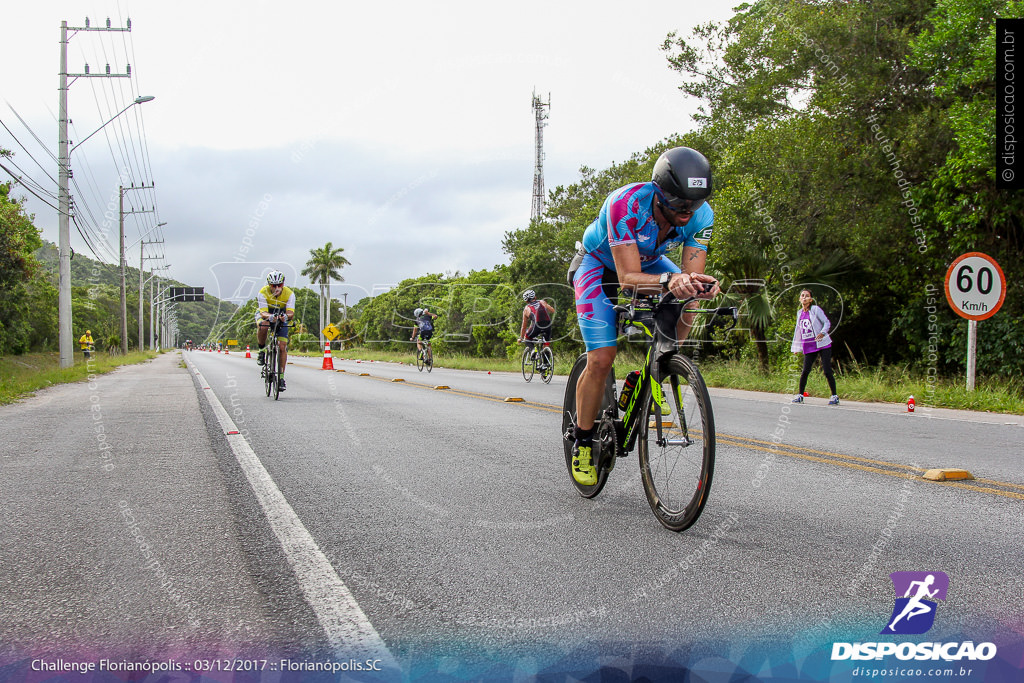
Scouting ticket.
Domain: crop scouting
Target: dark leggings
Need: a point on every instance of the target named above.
(826, 367)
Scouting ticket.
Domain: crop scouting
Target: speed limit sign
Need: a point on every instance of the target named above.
(975, 286)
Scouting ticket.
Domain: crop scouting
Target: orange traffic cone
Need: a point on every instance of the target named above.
(328, 363)
(247, 354)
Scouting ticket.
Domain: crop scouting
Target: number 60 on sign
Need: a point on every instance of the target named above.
(975, 286)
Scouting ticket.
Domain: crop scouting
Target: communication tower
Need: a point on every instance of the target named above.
(540, 116)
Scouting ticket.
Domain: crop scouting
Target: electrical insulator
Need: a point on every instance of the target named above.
(129, 72)
(86, 68)
(108, 22)
(87, 22)
(129, 24)
(108, 68)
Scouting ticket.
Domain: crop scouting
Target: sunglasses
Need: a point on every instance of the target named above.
(676, 205)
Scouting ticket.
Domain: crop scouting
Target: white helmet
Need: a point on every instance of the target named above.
(276, 277)
(529, 295)
(418, 312)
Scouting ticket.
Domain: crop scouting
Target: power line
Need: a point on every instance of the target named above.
(16, 177)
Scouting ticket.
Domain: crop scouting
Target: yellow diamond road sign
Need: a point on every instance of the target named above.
(331, 332)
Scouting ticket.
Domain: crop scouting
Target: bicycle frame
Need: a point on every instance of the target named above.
(273, 346)
(660, 345)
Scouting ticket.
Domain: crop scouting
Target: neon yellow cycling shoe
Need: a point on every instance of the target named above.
(583, 471)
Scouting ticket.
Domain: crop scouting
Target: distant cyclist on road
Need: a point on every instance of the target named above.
(626, 246)
(424, 329)
(274, 300)
(537, 317)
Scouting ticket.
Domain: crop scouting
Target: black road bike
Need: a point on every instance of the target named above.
(535, 360)
(270, 373)
(667, 413)
(425, 357)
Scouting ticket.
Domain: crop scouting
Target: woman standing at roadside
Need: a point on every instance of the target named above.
(811, 336)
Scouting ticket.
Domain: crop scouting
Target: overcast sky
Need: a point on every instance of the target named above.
(401, 131)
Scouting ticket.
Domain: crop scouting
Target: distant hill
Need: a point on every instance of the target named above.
(94, 283)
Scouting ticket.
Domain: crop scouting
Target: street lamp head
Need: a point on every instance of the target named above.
(144, 98)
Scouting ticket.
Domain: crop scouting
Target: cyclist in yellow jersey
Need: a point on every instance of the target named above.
(274, 300)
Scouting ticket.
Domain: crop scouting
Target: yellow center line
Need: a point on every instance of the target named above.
(810, 454)
(773, 444)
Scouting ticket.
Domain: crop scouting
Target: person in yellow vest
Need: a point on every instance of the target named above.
(86, 341)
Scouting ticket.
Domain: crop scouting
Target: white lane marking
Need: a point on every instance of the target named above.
(348, 629)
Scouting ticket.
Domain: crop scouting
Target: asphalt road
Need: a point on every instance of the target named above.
(437, 527)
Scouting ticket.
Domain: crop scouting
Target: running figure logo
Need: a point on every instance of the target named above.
(914, 612)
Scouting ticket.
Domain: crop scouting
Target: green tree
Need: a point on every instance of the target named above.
(864, 130)
(19, 273)
(324, 265)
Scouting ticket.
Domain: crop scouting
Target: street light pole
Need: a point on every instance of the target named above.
(64, 340)
(67, 358)
(142, 246)
(124, 261)
(153, 279)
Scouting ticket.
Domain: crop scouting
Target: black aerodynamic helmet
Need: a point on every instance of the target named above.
(684, 177)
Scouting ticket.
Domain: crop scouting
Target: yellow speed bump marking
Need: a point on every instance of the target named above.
(947, 474)
(364, 374)
(397, 379)
(442, 386)
(513, 399)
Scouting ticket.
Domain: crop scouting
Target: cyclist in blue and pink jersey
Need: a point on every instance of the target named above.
(626, 247)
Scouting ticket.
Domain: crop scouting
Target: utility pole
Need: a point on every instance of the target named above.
(65, 344)
(142, 246)
(540, 116)
(124, 297)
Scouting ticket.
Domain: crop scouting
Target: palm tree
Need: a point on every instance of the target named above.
(752, 278)
(324, 265)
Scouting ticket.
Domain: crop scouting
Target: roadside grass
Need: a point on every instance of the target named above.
(454, 361)
(888, 384)
(20, 376)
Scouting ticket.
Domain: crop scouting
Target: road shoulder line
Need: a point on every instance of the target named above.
(348, 629)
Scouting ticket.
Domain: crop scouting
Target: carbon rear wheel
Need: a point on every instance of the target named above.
(547, 365)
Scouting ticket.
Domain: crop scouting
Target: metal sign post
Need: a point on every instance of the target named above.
(975, 289)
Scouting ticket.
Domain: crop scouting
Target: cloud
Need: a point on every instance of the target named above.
(396, 215)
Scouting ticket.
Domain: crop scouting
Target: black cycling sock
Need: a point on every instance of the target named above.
(260, 347)
(585, 437)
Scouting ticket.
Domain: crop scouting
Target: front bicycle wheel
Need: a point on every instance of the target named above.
(430, 359)
(604, 436)
(528, 365)
(268, 375)
(677, 468)
(548, 365)
(420, 360)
